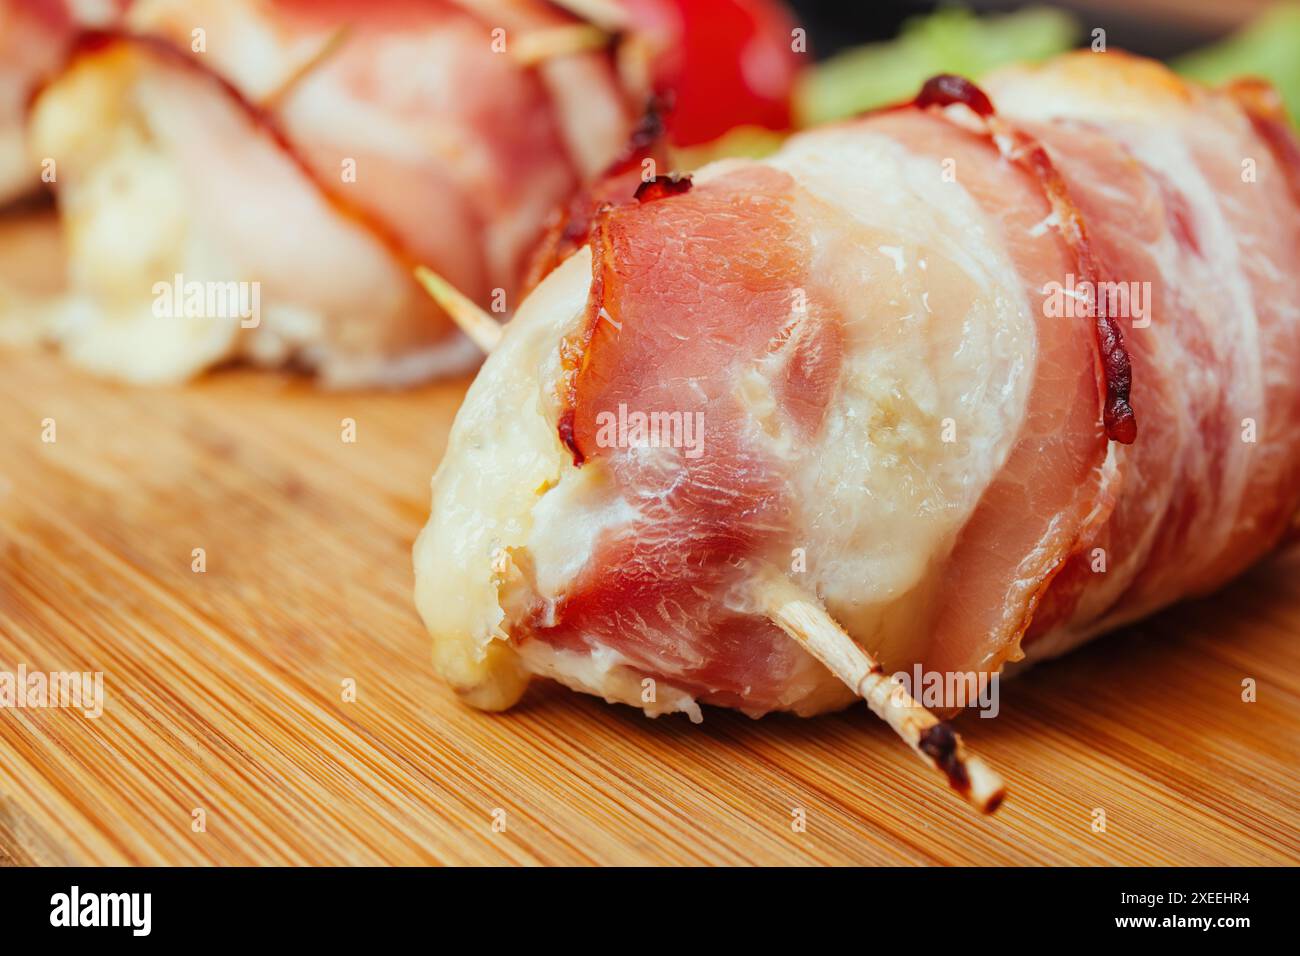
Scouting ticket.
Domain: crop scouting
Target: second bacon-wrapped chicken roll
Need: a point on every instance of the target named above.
(311, 154)
(964, 381)
(34, 36)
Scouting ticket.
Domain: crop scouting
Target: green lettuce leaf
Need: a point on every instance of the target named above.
(1267, 47)
(952, 40)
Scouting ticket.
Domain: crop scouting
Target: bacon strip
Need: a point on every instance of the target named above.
(688, 545)
(94, 42)
(1018, 146)
(1066, 519)
(474, 143)
(1200, 498)
(571, 225)
(33, 36)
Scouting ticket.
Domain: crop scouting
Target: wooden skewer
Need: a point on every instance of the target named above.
(542, 45)
(483, 330)
(804, 619)
(606, 14)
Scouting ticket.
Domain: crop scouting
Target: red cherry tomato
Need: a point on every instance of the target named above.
(723, 63)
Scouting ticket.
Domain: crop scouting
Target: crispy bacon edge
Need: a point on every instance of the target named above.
(571, 225)
(1115, 367)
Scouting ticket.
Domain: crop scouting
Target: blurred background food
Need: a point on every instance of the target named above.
(316, 151)
(311, 152)
(480, 166)
(33, 36)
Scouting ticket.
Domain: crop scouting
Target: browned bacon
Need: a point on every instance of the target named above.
(1084, 276)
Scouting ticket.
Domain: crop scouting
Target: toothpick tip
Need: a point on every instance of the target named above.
(483, 330)
(803, 617)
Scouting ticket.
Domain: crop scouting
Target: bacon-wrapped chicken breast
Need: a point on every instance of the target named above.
(311, 154)
(966, 381)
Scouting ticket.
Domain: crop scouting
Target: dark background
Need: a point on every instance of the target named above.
(1158, 28)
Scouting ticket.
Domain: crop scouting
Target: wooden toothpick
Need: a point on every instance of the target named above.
(802, 617)
(483, 330)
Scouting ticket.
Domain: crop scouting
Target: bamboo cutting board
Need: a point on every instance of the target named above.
(226, 690)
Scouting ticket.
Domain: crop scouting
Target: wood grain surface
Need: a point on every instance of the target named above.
(225, 689)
